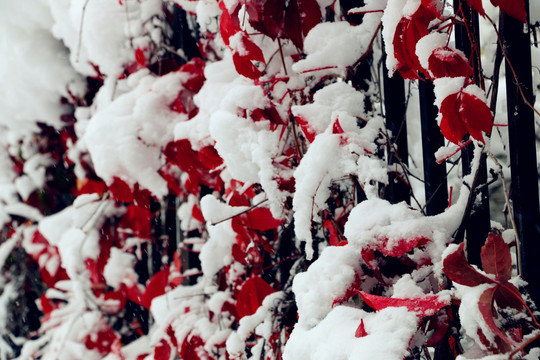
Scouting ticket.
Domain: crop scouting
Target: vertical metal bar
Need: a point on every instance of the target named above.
(478, 223)
(521, 133)
(395, 107)
(435, 184)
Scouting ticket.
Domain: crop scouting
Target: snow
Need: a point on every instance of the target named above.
(329, 44)
(128, 133)
(426, 45)
(35, 69)
(119, 269)
(334, 337)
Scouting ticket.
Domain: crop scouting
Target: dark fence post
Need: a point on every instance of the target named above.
(398, 189)
(478, 223)
(522, 140)
(435, 184)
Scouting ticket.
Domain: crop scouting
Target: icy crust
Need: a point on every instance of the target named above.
(389, 332)
(126, 135)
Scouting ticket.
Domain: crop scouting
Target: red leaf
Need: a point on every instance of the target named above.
(360, 330)
(140, 58)
(401, 246)
(514, 8)
(244, 53)
(452, 127)
(476, 5)
(267, 16)
(120, 190)
(476, 115)
(408, 31)
(456, 267)
(193, 348)
(300, 17)
(163, 351)
(485, 306)
(251, 295)
(336, 128)
(209, 157)
(197, 213)
(155, 287)
(496, 259)
(426, 305)
(101, 340)
(195, 69)
(227, 27)
(464, 113)
(260, 218)
(308, 131)
(447, 62)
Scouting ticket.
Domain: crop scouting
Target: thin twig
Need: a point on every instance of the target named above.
(80, 30)
(509, 207)
(240, 213)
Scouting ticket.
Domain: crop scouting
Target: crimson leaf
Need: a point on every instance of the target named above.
(496, 259)
(485, 305)
(261, 219)
(425, 305)
(456, 267)
(251, 295)
(514, 8)
(361, 330)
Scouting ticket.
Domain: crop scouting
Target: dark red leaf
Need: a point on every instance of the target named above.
(102, 339)
(193, 348)
(447, 62)
(464, 113)
(336, 128)
(507, 295)
(197, 213)
(486, 308)
(456, 267)
(260, 218)
(496, 259)
(514, 8)
(155, 287)
(195, 69)
(426, 305)
(121, 191)
(476, 5)
(140, 58)
(360, 330)
(245, 52)
(227, 27)
(401, 246)
(267, 16)
(476, 115)
(209, 157)
(251, 295)
(439, 325)
(300, 17)
(163, 351)
(452, 127)
(308, 131)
